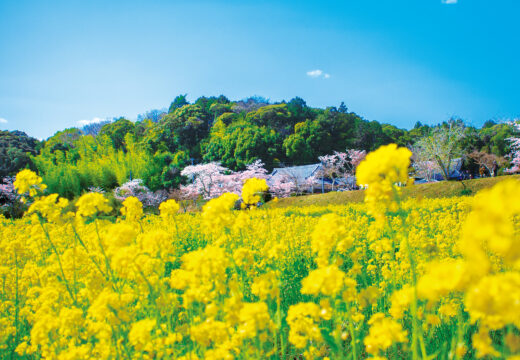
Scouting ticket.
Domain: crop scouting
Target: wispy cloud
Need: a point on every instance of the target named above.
(3, 121)
(91, 121)
(317, 74)
(314, 73)
(450, 1)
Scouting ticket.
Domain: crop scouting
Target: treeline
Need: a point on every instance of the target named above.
(235, 133)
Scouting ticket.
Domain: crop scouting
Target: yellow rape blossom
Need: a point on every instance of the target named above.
(253, 189)
(28, 181)
(92, 203)
(381, 171)
(169, 208)
(132, 209)
(383, 333)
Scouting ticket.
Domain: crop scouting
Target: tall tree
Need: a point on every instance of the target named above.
(178, 102)
(15, 151)
(442, 145)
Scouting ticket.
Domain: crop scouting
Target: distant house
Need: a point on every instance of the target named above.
(435, 174)
(455, 170)
(300, 173)
(301, 176)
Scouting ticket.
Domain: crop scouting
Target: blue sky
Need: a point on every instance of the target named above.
(393, 61)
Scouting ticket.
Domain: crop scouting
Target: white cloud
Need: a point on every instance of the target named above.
(3, 121)
(450, 1)
(92, 121)
(317, 74)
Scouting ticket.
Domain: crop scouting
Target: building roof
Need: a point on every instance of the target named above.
(301, 173)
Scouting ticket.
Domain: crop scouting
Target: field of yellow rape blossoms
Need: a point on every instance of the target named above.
(429, 279)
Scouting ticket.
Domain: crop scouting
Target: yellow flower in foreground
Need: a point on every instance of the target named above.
(328, 281)
(217, 212)
(50, 207)
(266, 286)
(383, 333)
(326, 234)
(490, 226)
(442, 278)
(91, 203)
(28, 181)
(302, 319)
(252, 190)
(381, 171)
(132, 209)
(495, 300)
(169, 208)
(254, 318)
(140, 334)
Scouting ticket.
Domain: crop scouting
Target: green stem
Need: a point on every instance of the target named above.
(67, 285)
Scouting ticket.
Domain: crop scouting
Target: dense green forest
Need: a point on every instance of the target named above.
(235, 133)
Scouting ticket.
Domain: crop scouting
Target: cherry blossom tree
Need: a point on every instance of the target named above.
(212, 179)
(286, 183)
(515, 151)
(10, 200)
(442, 146)
(282, 185)
(254, 170)
(340, 164)
(208, 180)
(424, 168)
(137, 189)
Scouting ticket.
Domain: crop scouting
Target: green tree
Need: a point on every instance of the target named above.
(494, 138)
(276, 117)
(187, 126)
(15, 151)
(442, 145)
(241, 143)
(311, 138)
(178, 102)
(117, 131)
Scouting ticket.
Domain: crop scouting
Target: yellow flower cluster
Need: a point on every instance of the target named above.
(217, 212)
(28, 181)
(381, 172)
(132, 209)
(440, 278)
(253, 190)
(92, 203)
(169, 208)
(383, 333)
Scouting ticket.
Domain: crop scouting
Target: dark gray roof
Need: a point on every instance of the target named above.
(301, 173)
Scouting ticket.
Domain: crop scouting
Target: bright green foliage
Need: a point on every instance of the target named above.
(178, 102)
(96, 162)
(63, 140)
(310, 139)
(396, 135)
(494, 138)
(276, 117)
(188, 125)
(241, 143)
(117, 131)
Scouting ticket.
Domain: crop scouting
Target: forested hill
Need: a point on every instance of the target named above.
(235, 133)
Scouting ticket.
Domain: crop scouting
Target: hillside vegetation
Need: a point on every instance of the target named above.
(160, 144)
